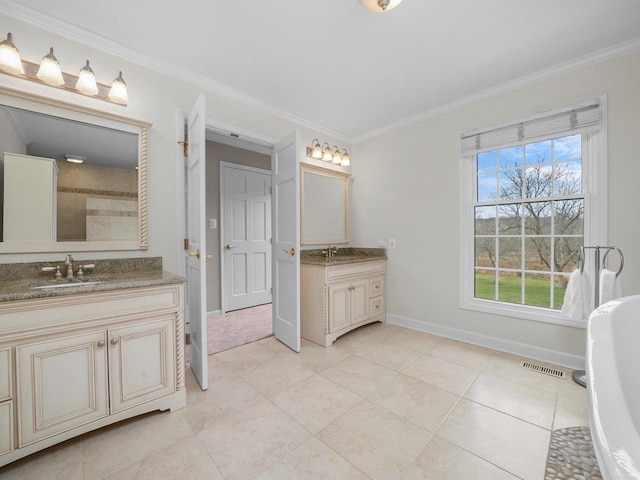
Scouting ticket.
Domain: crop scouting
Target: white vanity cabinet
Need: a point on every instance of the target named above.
(81, 362)
(335, 299)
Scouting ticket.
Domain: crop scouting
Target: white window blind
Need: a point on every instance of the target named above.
(577, 119)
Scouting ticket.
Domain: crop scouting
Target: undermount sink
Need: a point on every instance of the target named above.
(64, 285)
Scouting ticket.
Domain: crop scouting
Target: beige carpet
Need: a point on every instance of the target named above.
(238, 327)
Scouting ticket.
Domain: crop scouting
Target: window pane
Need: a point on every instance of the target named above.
(510, 252)
(539, 181)
(510, 219)
(537, 254)
(568, 178)
(485, 252)
(537, 218)
(569, 217)
(511, 185)
(487, 187)
(485, 284)
(559, 289)
(510, 287)
(568, 148)
(510, 157)
(537, 290)
(539, 152)
(485, 223)
(487, 162)
(566, 252)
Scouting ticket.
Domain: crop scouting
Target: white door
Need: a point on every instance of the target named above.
(196, 271)
(285, 174)
(246, 236)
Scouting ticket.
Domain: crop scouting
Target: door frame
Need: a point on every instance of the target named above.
(223, 306)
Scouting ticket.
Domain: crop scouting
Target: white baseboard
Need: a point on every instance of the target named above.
(529, 351)
(214, 313)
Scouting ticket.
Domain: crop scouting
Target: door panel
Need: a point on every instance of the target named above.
(359, 301)
(339, 298)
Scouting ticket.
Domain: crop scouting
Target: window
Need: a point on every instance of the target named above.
(532, 194)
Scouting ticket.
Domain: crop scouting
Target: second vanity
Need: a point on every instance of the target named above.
(77, 358)
(341, 292)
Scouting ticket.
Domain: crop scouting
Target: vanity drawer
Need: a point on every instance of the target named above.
(376, 306)
(376, 286)
(6, 427)
(5, 375)
(340, 272)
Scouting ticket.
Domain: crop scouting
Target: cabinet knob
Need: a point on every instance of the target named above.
(100, 343)
(114, 341)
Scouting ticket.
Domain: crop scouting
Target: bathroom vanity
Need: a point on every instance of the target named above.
(340, 293)
(77, 357)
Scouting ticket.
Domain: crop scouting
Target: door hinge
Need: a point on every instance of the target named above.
(187, 339)
(185, 147)
(186, 244)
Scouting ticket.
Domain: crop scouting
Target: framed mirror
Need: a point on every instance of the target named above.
(71, 178)
(324, 206)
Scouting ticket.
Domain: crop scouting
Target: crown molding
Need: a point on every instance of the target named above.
(589, 60)
(85, 37)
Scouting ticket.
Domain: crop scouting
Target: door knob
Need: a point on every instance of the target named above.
(114, 341)
(291, 251)
(197, 254)
(100, 343)
(228, 247)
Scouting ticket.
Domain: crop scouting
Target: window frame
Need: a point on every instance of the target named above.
(594, 172)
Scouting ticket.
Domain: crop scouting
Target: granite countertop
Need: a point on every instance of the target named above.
(108, 275)
(344, 255)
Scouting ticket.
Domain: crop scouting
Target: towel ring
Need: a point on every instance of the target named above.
(604, 259)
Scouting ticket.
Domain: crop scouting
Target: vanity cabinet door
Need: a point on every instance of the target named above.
(62, 384)
(142, 362)
(6, 427)
(339, 299)
(359, 300)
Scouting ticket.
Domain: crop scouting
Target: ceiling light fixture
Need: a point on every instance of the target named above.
(10, 57)
(324, 152)
(380, 6)
(75, 158)
(49, 72)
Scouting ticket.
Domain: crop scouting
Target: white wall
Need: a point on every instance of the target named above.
(154, 98)
(406, 187)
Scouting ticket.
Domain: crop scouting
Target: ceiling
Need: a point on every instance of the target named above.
(335, 66)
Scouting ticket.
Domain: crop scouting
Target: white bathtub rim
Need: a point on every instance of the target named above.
(615, 438)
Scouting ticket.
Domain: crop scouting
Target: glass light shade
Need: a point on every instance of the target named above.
(316, 149)
(327, 155)
(380, 6)
(118, 92)
(346, 161)
(336, 156)
(87, 81)
(10, 60)
(49, 71)
(75, 158)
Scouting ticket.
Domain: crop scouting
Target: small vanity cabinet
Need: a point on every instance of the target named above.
(72, 363)
(338, 296)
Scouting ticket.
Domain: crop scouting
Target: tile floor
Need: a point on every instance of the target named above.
(383, 402)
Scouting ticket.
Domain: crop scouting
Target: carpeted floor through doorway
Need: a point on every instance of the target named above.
(238, 328)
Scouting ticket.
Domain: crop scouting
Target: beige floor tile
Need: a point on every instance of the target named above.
(245, 357)
(378, 442)
(419, 402)
(569, 389)
(315, 402)
(359, 375)
(510, 368)
(247, 443)
(273, 376)
(132, 441)
(185, 460)
(414, 341)
(60, 462)
(442, 460)
(225, 396)
(453, 377)
(471, 356)
(313, 460)
(527, 403)
(316, 357)
(390, 355)
(570, 413)
(509, 443)
(364, 337)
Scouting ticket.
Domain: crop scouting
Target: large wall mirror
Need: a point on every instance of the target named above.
(71, 178)
(324, 206)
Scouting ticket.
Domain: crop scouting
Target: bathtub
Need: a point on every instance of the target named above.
(613, 387)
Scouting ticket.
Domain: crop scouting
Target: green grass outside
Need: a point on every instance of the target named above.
(509, 288)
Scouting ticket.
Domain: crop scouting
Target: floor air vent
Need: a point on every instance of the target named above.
(554, 372)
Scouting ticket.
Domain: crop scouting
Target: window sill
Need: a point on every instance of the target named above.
(538, 314)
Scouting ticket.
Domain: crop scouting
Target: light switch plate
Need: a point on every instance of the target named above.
(392, 244)
(213, 223)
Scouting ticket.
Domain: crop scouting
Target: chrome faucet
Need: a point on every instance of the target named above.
(69, 264)
(330, 252)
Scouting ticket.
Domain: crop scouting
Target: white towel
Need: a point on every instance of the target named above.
(577, 298)
(610, 286)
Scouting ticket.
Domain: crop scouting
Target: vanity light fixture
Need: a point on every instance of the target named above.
(87, 81)
(324, 152)
(49, 72)
(10, 57)
(75, 158)
(380, 6)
